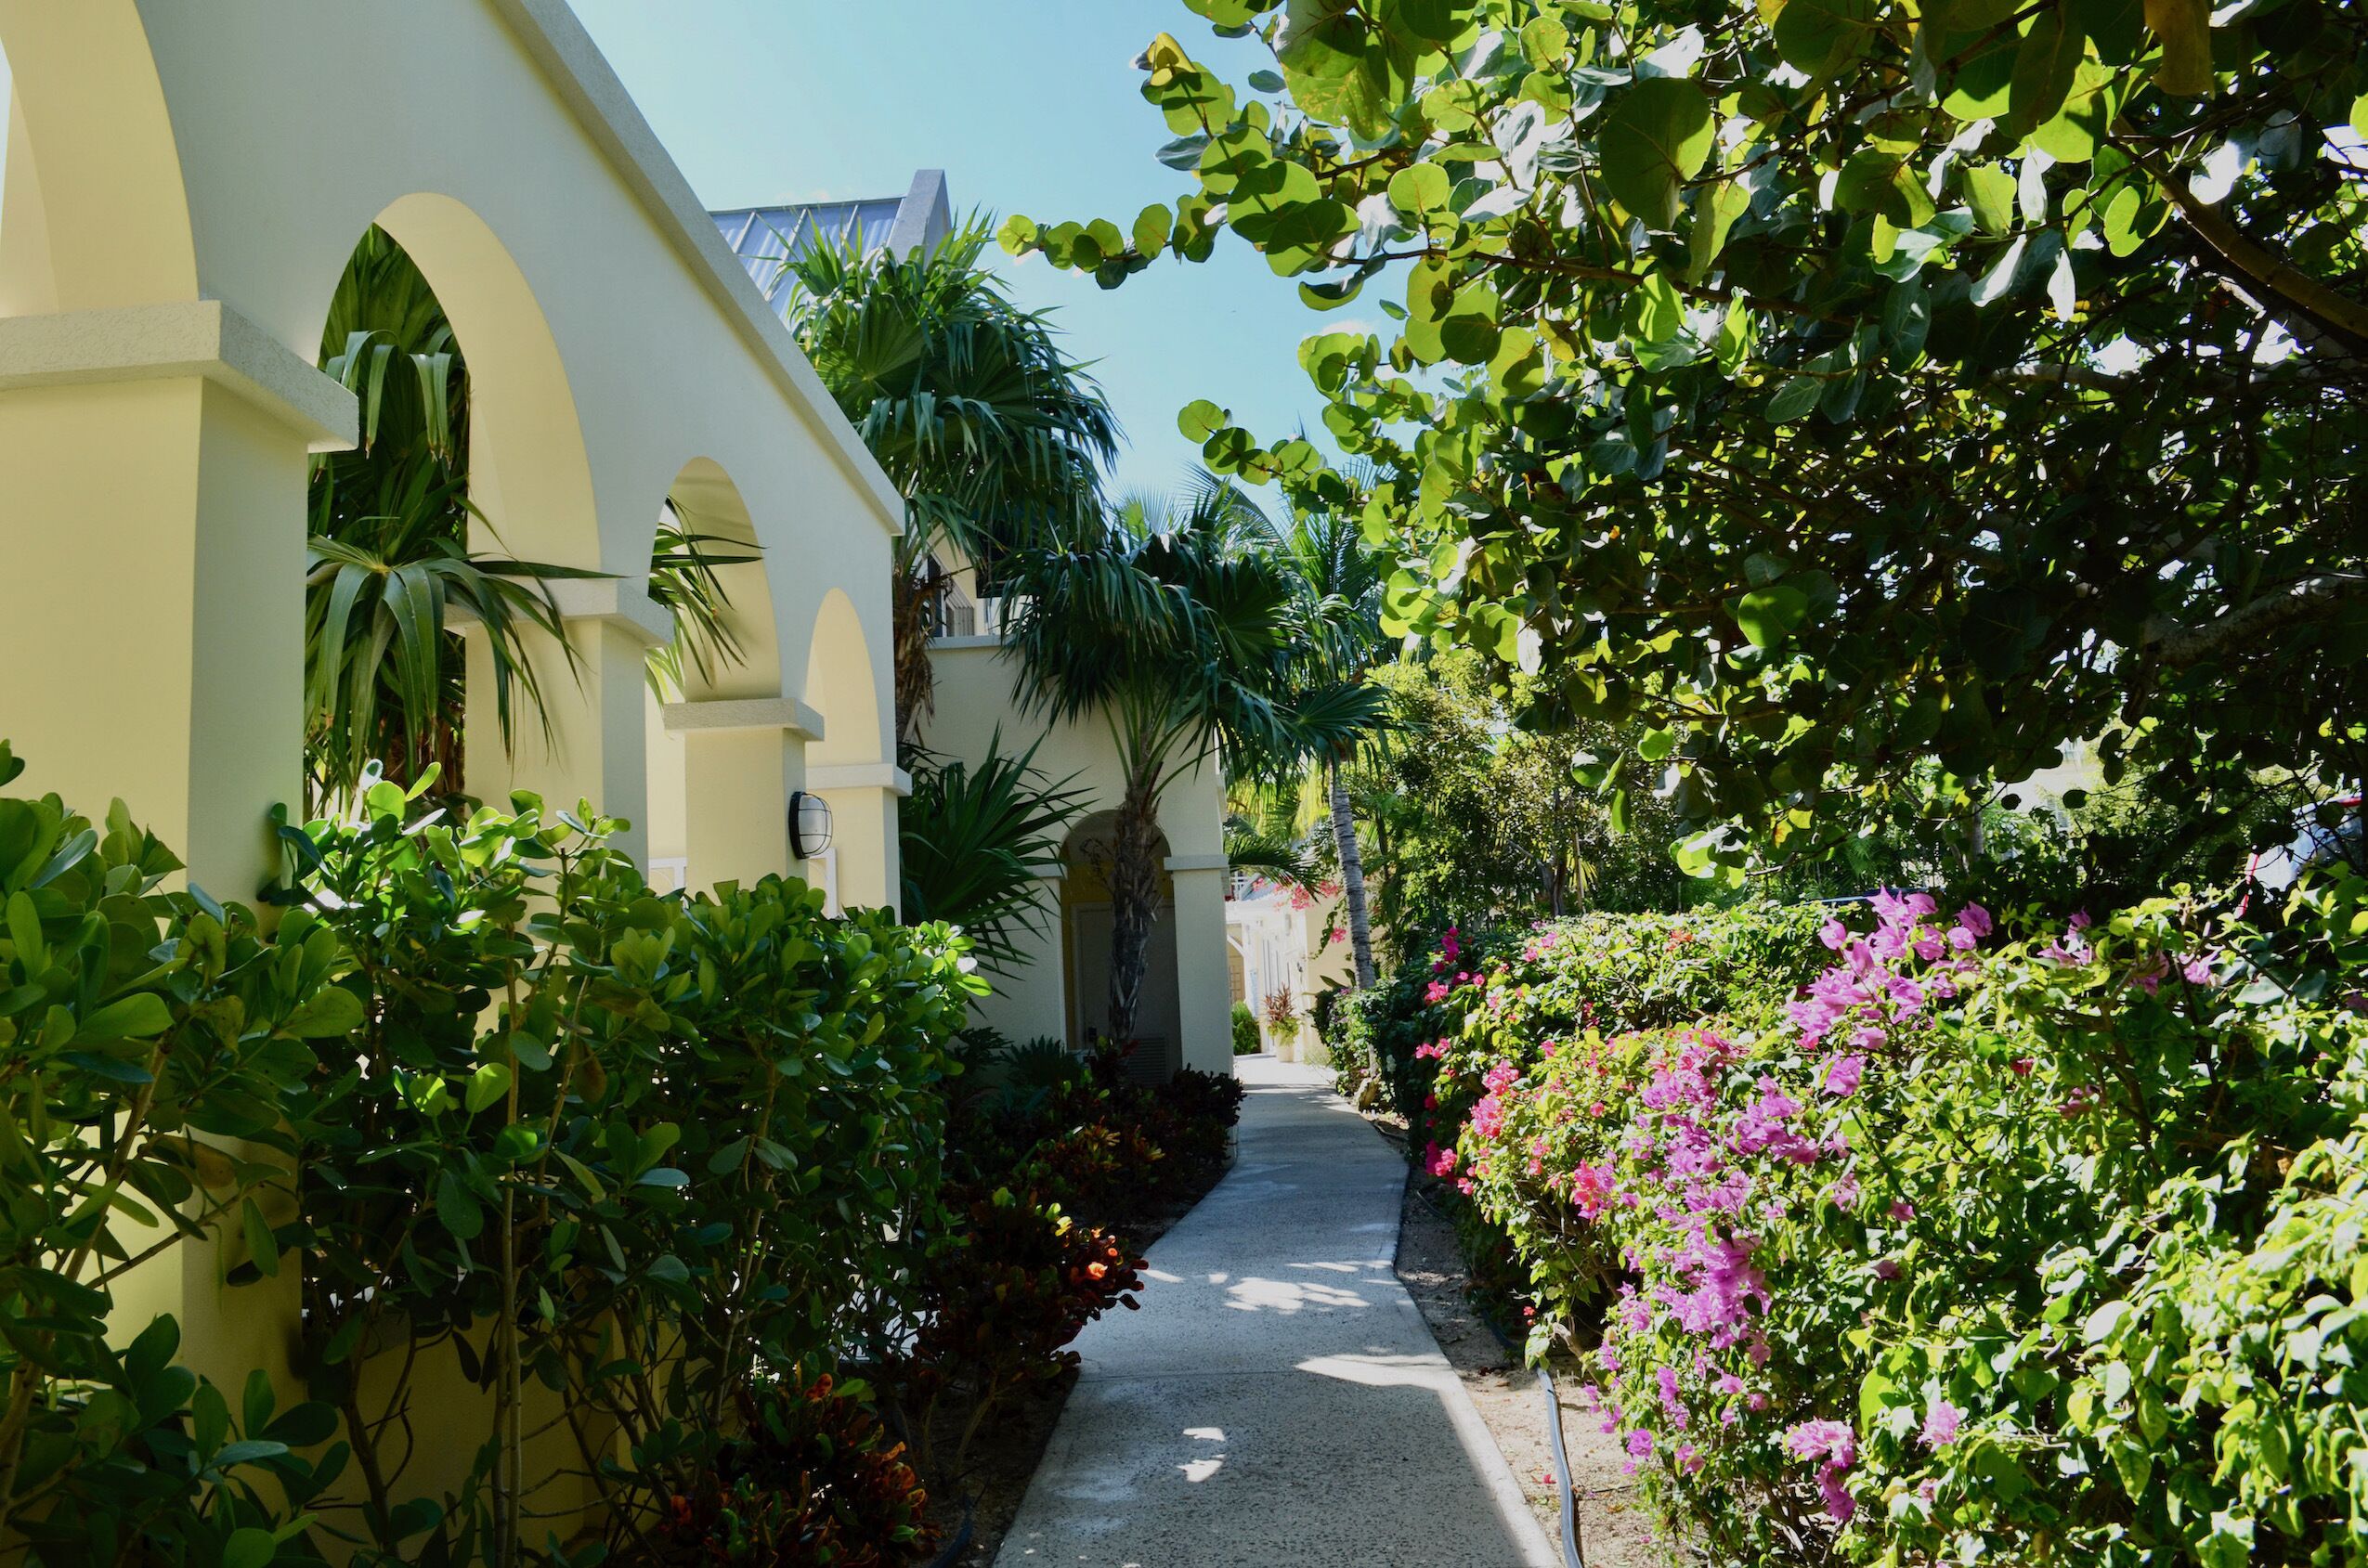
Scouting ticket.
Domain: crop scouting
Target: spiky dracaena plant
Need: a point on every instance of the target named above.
(390, 568)
(1179, 629)
(980, 841)
(989, 432)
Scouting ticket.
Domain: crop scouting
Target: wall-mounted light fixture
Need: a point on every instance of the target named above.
(809, 825)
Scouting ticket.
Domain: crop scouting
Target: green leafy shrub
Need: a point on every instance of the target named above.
(2039, 1251)
(627, 1151)
(148, 1040)
(1245, 1030)
(1533, 983)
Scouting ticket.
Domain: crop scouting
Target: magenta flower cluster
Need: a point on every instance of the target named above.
(1705, 1158)
(1714, 1197)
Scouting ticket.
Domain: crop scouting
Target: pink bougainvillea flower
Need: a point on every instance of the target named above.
(1902, 1209)
(1835, 1447)
(2197, 970)
(1843, 1075)
(1886, 1268)
(1941, 1421)
(1975, 919)
(2070, 952)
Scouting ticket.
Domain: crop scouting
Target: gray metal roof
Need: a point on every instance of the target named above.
(763, 237)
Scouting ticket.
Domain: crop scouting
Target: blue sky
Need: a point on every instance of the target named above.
(1028, 106)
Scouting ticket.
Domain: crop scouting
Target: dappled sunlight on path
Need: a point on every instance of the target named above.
(1278, 1401)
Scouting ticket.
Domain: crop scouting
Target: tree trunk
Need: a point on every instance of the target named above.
(1352, 877)
(917, 595)
(1134, 905)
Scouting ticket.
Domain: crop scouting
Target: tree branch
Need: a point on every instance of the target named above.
(2272, 611)
(2331, 312)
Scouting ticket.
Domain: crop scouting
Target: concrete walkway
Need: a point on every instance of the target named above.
(1278, 1401)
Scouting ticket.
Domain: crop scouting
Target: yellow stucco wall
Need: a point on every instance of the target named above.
(183, 185)
(973, 702)
(618, 354)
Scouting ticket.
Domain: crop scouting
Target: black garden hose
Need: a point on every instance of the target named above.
(960, 1543)
(1572, 1556)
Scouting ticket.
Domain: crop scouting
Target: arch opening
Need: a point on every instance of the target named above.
(840, 687)
(93, 214)
(467, 508)
(708, 566)
(1086, 938)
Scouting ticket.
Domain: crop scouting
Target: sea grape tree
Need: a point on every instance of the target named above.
(1862, 398)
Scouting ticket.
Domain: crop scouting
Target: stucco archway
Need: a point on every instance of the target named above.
(530, 488)
(850, 766)
(1086, 947)
(727, 751)
(95, 214)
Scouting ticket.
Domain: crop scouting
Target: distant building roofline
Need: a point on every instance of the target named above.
(765, 235)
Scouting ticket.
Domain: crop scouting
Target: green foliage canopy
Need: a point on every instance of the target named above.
(1827, 384)
(1477, 821)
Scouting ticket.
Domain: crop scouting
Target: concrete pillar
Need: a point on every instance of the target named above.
(743, 760)
(1204, 1000)
(153, 460)
(588, 743)
(862, 797)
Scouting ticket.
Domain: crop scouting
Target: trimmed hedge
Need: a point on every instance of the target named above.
(2012, 1251)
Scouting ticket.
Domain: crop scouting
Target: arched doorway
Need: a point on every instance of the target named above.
(850, 766)
(472, 457)
(1086, 944)
(725, 748)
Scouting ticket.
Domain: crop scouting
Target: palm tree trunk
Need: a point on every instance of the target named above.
(1134, 905)
(913, 617)
(1352, 877)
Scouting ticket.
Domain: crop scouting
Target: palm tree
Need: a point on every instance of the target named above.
(1179, 629)
(389, 559)
(1339, 584)
(987, 430)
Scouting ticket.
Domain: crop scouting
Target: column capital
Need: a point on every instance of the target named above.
(859, 775)
(743, 713)
(202, 338)
(594, 601)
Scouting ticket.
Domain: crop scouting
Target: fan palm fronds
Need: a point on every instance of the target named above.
(990, 433)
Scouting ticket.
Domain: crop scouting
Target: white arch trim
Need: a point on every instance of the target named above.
(599, 101)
